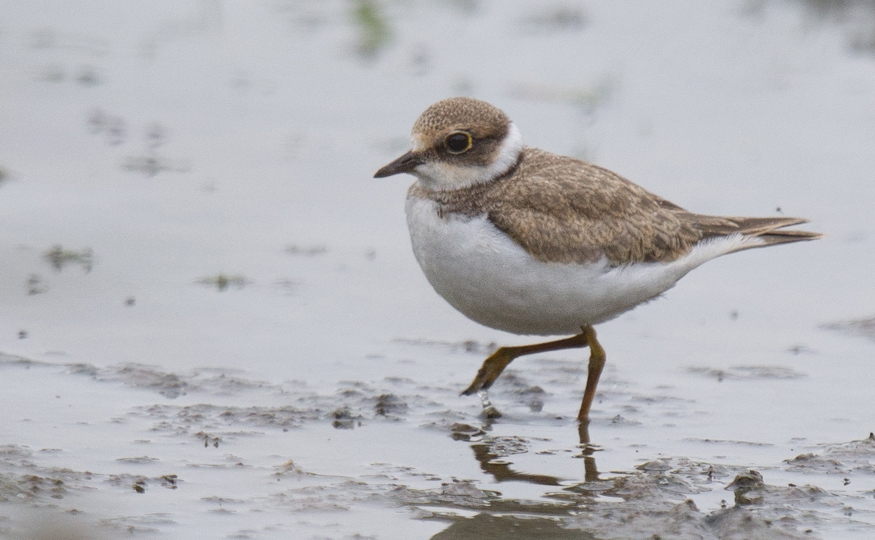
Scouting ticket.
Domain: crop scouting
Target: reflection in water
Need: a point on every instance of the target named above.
(591, 473)
(488, 527)
(654, 497)
(487, 456)
(517, 519)
(502, 471)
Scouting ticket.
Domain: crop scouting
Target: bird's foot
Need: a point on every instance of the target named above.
(489, 411)
(490, 370)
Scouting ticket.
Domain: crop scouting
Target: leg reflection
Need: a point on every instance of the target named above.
(492, 460)
(587, 452)
(502, 472)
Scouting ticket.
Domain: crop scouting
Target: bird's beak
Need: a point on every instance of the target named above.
(404, 164)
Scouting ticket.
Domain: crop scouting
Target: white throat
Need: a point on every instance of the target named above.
(440, 176)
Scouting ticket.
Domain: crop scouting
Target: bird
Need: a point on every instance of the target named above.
(534, 243)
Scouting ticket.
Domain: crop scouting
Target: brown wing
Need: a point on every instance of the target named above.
(566, 210)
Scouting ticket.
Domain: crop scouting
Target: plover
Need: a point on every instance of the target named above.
(530, 242)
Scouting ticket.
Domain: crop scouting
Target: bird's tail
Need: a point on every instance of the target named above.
(769, 230)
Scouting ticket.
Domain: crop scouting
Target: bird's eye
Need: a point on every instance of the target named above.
(458, 142)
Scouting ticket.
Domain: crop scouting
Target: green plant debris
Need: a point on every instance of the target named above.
(35, 285)
(374, 30)
(88, 76)
(557, 18)
(307, 251)
(864, 327)
(59, 257)
(151, 165)
(223, 281)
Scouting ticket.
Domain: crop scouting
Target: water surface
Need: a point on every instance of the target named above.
(212, 325)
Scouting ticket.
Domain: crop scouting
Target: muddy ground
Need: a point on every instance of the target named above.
(211, 323)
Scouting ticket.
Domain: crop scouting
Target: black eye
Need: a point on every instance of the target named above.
(458, 142)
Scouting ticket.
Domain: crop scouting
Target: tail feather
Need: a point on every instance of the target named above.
(772, 238)
(769, 230)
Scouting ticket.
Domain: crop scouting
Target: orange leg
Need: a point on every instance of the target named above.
(597, 360)
(497, 361)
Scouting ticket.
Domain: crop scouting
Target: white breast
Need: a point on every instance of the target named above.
(491, 279)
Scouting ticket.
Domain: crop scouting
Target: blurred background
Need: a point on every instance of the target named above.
(188, 218)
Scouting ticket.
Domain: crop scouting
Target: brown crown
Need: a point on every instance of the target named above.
(460, 113)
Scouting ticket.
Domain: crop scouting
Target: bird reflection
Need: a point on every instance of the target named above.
(503, 472)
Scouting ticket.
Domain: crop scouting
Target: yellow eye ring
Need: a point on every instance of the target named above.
(458, 142)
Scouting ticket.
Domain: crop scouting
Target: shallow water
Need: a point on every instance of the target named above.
(211, 323)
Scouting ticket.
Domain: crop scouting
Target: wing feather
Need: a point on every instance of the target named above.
(565, 210)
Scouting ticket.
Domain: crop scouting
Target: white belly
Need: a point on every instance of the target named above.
(491, 279)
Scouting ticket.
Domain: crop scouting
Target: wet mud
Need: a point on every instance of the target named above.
(212, 326)
(214, 440)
